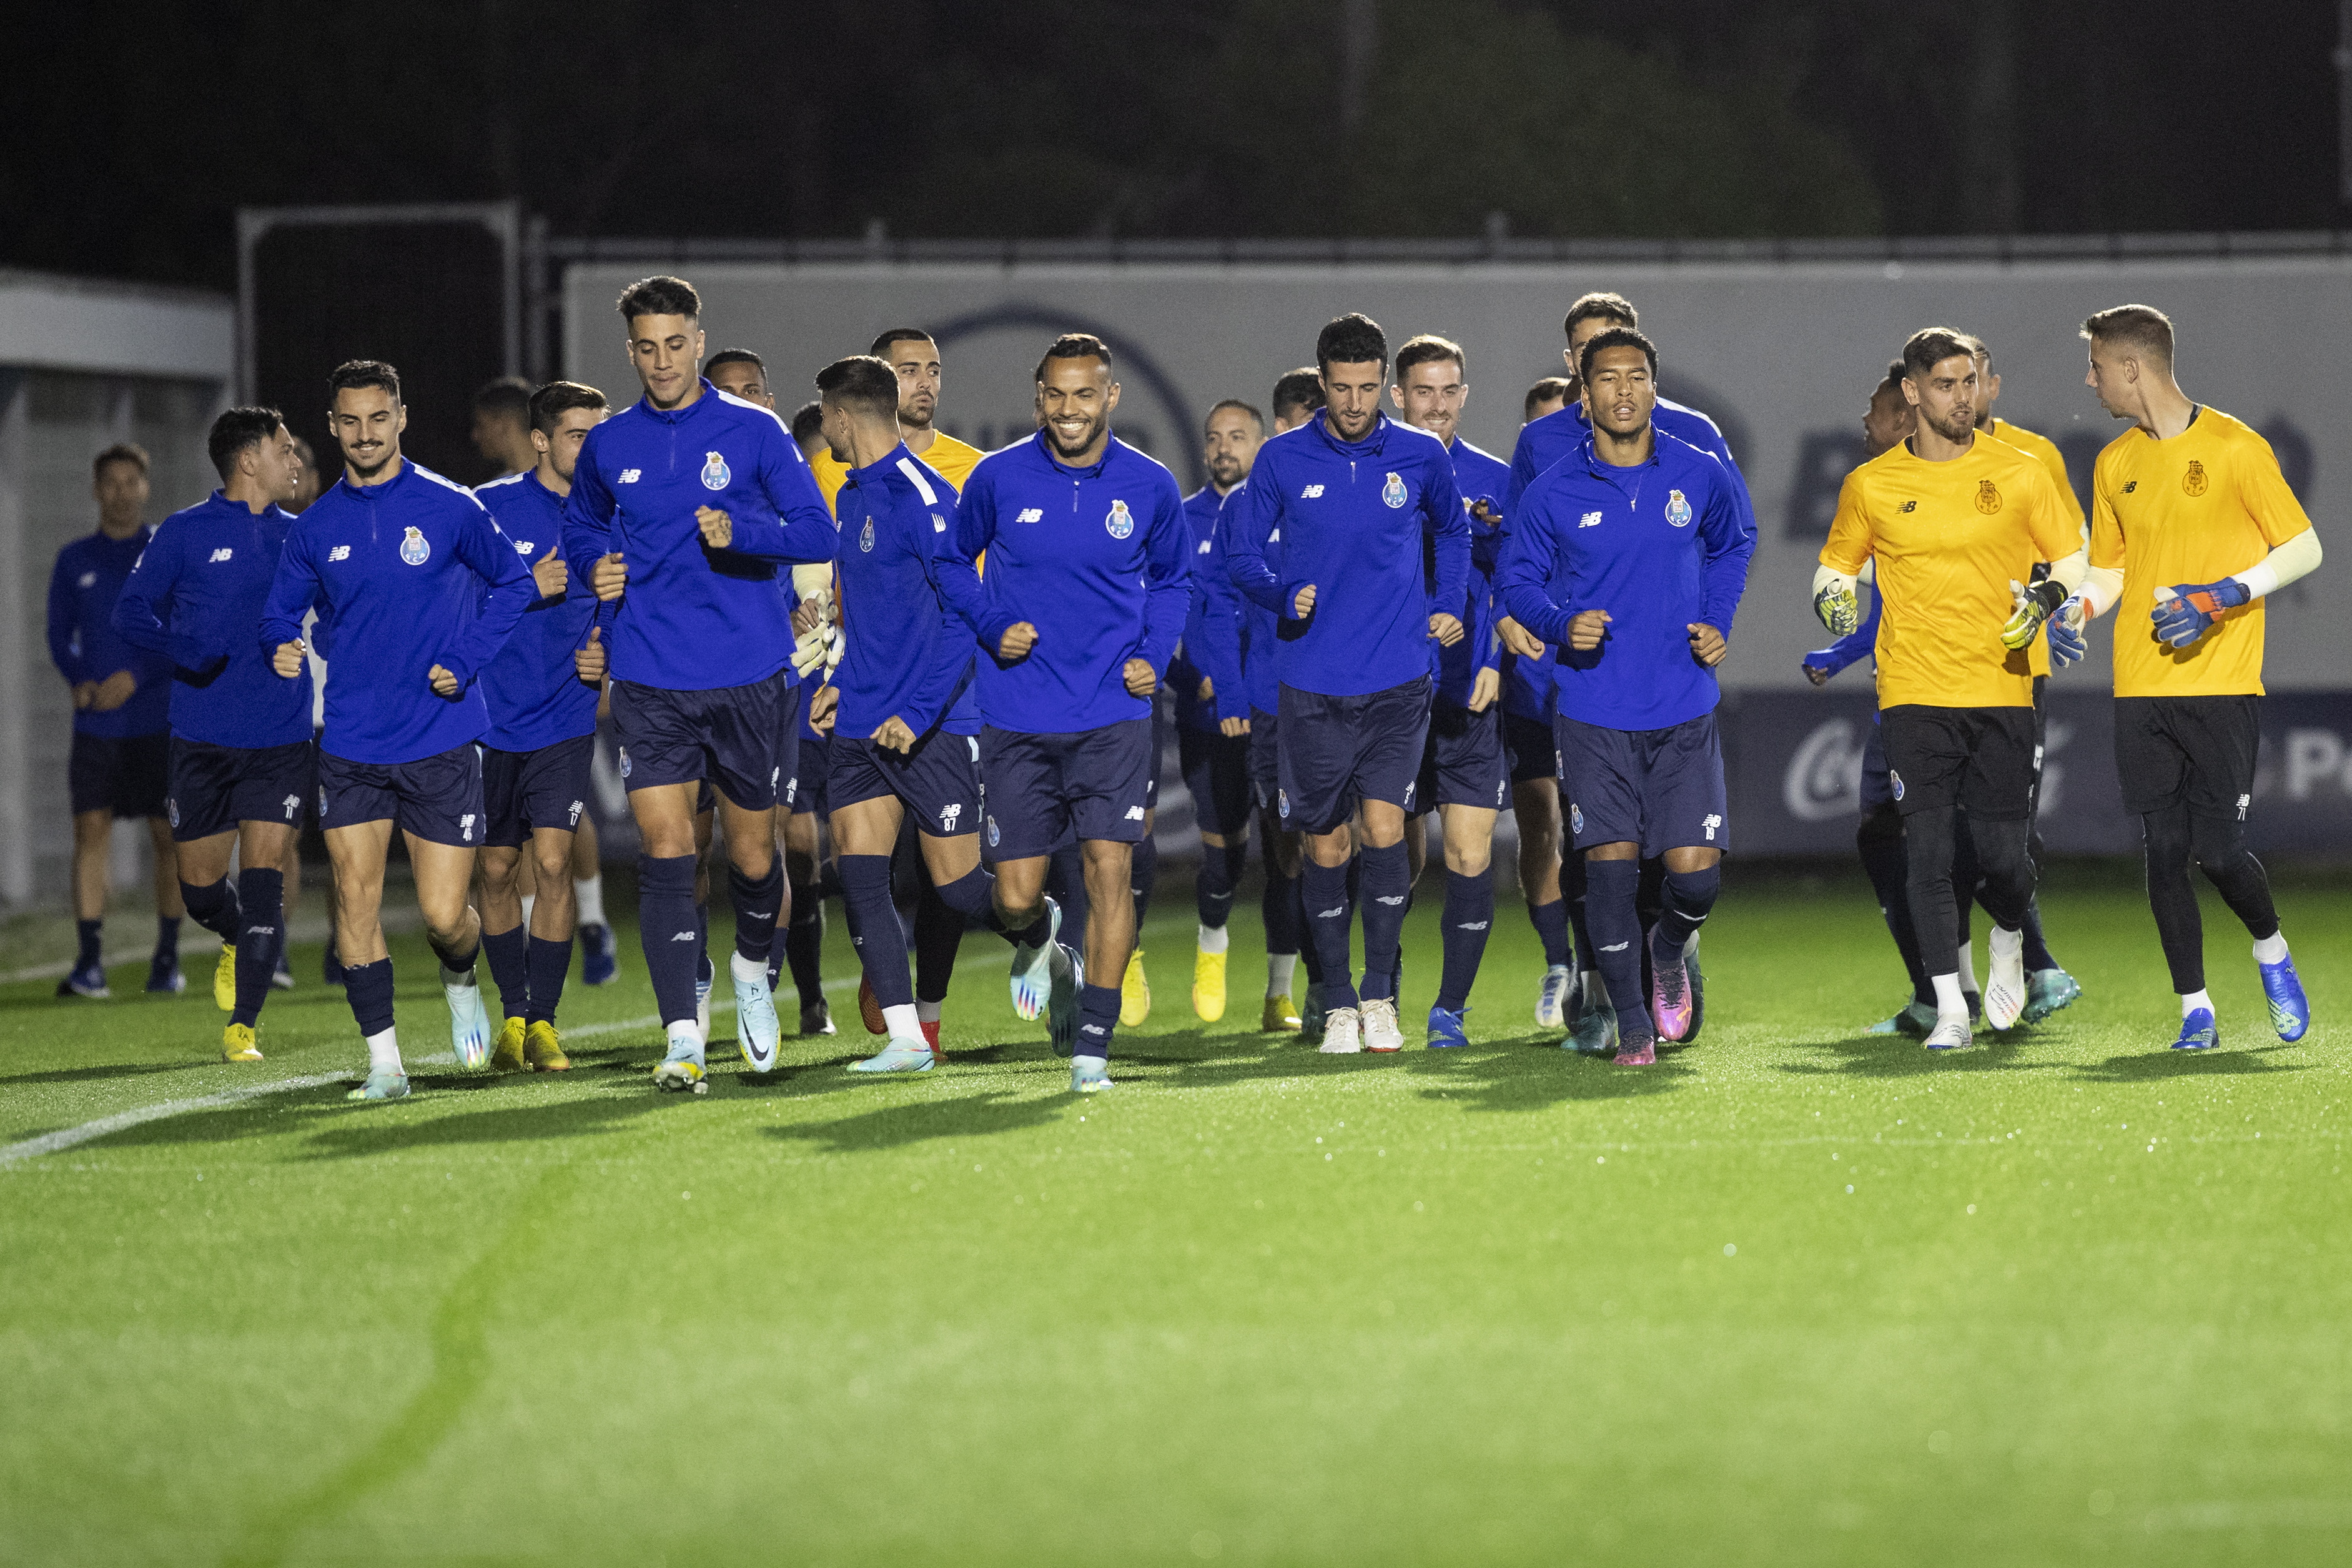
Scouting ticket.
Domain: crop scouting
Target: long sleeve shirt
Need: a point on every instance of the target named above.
(532, 687)
(1480, 477)
(397, 570)
(194, 598)
(1210, 648)
(694, 617)
(1246, 624)
(906, 653)
(84, 645)
(1376, 525)
(1659, 546)
(1096, 559)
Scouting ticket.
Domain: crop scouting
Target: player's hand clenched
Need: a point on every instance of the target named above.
(1304, 605)
(1485, 687)
(445, 684)
(1707, 644)
(1232, 726)
(1446, 629)
(1586, 629)
(718, 528)
(114, 692)
(823, 708)
(610, 578)
(1018, 639)
(894, 736)
(1518, 639)
(589, 663)
(1141, 679)
(552, 577)
(288, 660)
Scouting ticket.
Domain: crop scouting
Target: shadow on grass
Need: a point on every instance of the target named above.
(1887, 1056)
(896, 1126)
(117, 1070)
(2157, 1066)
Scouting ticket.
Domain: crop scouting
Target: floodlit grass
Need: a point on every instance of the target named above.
(1792, 1296)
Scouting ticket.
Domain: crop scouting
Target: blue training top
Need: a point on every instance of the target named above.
(532, 687)
(84, 645)
(905, 651)
(1481, 477)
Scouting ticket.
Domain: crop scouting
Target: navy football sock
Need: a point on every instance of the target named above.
(1212, 892)
(939, 933)
(1142, 876)
(1469, 915)
(669, 925)
(1610, 889)
(805, 943)
(1689, 896)
(547, 963)
(86, 934)
(1098, 1017)
(758, 907)
(367, 987)
(2038, 955)
(1325, 888)
(1065, 880)
(260, 937)
(214, 907)
(1551, 921)
(1388, 887)
(1278, 907)
(510, 955)
(167, 934)
(874, 928)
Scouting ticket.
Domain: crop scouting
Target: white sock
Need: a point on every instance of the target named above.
(1965, 958)
(1951, 1001)
(589, 894)
(683, 1032)
(2194, 1000)
(925, 1012)
(2270, 949)
(384, 1051)
(529, 900)
(1279, 968)
(900, 1022)
(743, 970)
(2004, 944)
(1213, 939)
(466, 977)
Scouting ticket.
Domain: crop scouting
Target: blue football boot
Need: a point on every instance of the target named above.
(2290, 1010)
(2198, 1031)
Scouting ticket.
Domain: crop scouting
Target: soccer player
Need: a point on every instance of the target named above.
(541, 741)
(1548, 395)
(682, 508)
(1955, 524)
(502, 429)
(1631, 556)
(1371, 518)
(122, 736)
(242, 763)
(1213, 726)
(1463, 775)
(2192, 518)
(1086, 589)
(398, 555)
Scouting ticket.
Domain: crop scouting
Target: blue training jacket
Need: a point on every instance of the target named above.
(1096, 559)
(693, 618)
(84, 645)
(1195, 656)
(532, 687)
(194, 598)
(397, 570)
(1353, 517)
(1658, 545)
(906, 651)
(1481, 477)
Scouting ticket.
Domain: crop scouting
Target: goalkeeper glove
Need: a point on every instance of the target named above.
(2182, 613)
(1839, 610)
(2067, 644)
(2033, 606)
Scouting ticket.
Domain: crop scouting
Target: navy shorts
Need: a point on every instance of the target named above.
(726, 734)
(523, 791)
(789, 703)
(129, 775)
(1159, 742)
(1217, 773)
(1528, 747)
(215, 788)
(1462, 761)
(1044, 789)
(438, 798)
(1265, 756)
(804, 788)
(1336, 751)
(938, 781)
(1659, 788)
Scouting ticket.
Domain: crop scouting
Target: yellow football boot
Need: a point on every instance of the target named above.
(1281, 1016)
(544, 1048)
(225, 979)
(1134, 992)
(1209, 986)
(237, 1043)
(507, 1056)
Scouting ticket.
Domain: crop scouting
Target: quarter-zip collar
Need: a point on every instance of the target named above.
(1092, 471)
(684, 412)
(373, 493)
(1374, 440)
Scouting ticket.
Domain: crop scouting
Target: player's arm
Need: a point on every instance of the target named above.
(1448, 527)
(945, 678)
(292, 590)
(1524, 580)
(973, 529)
(587, 533)
(1851, 544)
(512, 590)
(800, 526)
(2058, 538)
(1167, 577)
(1727, 539)
(142, 614)
(62, 608)
(1216, 645)
(1242, 532)
(2183, 610)
(1523, 472)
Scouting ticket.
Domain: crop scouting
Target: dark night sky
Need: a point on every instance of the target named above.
(141, 127)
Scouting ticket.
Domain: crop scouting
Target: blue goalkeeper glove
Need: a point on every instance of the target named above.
(2065, 631)
(2182, 613)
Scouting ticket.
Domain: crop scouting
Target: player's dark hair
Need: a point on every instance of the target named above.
(1428, 347)
(353, 375)
(1613, 308)
(1255, 418)
(2141, 327)
(1615, 338)
(551, 403)
(1930, 347)
(236, 429)
(1892, 385)
(863, 384)
(1354, 339)
(659, 296)
(889, 335)
(1978, 348)
(1551, 389)
(1298, 392)
(121, 451)
(1073, 346)
(508, 396)
(807, 421)
(736, 357)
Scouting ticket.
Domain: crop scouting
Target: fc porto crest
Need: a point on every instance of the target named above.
(2193, 481)
(715, 475)
(414, 548)
(1121, 522)
(1894, 783)
(1988, 497)
(866, 535)
(1678, 512)
(1575, 817)
(1393, 491)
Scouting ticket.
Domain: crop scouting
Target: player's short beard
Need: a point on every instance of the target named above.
(1956, 427)
(1224, 472)
(913, 418)
(1095, 427)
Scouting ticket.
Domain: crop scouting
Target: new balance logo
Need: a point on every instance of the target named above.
(1908, 506)
(1473, 925)
(341, 552)
(629, 476)
(1710, 823)
(261, 931)
(1590, 520)
(1203, 550)
(947, 815)
(2243, 801)
(222, 554)
(1330, 913)
(1392, 899)
(1312, 493)
(1618, 948)
(522, 549)
(293, 804)
(1031, 515)
(466, 827)
(1135, 813)
(2129, 485)
(1092, 1028)
(683, 936)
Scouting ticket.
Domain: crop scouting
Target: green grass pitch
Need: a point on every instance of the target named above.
(1791, 1297)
